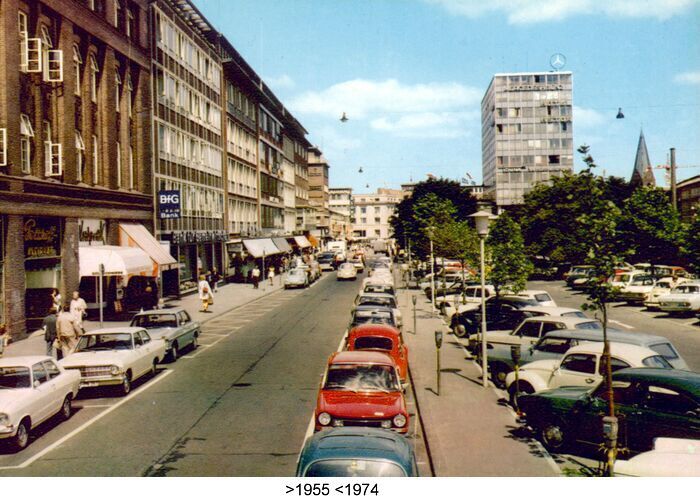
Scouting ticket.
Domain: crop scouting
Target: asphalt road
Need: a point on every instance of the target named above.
(240, 405)
(684, 332)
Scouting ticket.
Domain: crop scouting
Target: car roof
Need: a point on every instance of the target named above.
(616, 349)
(167, 310)
(358, 443)
(551, 310)
(373, 307)
(352, 357)
(123, 329)
(680, 379)
(374, 330)
(613, 335)
(22, 360)
(569, 320)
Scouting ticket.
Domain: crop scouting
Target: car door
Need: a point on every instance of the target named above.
(58, 382)
(42, 394)
(576, 369)
(142, 361)
(667, 412)
(549, 348)
(528, 333)
(187, 325)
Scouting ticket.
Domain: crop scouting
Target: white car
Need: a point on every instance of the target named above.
(357, 262)
(346, 271)
(33, 389)
(296, 278)
(638, 289)
(581, 366)
(683, 299)
(377, 285)
(671, 457)
(541, 296)
(115, 356)
(383, 300)
(662, 287)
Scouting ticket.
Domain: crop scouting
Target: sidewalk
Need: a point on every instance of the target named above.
(468, 431)
(228, 297)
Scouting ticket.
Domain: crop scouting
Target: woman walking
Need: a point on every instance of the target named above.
(205, 293)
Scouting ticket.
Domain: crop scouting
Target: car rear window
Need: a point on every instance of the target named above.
(14, 377)
(656, 362)
(589, 325)
(353, 468)
(381, 343)
(543, 297)
(664, 349)
(574, 314)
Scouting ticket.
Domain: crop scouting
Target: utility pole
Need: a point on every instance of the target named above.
(674, 201)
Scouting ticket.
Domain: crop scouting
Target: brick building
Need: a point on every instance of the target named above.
(75, 142)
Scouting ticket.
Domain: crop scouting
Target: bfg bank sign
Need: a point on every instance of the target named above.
(169, 204)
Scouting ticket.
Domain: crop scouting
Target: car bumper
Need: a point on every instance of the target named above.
(101, 381)
(398, 430)
(7, 431)
(675, 308)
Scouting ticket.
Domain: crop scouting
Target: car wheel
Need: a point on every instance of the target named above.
(518, 389)
(499, 371)
(553, 437)
(21, 439)
(154, 368)
(460, 331)
(66, 408)
(174, 354)
(126, 384)
(195, 342)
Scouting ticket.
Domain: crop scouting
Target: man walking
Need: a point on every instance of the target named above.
(49, 326)
(67, 331)
(215, 278)
(255, 274)
(78, 308)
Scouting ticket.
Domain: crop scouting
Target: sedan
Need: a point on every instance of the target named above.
(649, 403)
(374, 314)
(361, 389)
(33, 389)
(296, 278)
(683, 299)
(346, 271)
(383, 338)
(115, 357)
(174, 326)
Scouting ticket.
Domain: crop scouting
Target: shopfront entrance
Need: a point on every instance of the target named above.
(42, 265)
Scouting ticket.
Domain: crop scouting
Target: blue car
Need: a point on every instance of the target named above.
(357, 452)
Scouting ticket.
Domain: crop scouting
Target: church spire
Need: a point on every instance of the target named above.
(642, 175)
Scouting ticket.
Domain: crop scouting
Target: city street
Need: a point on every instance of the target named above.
(240, 405)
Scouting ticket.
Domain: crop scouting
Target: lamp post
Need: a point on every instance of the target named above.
(431, 230)
(481, 220)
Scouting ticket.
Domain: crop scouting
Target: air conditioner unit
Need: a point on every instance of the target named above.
(53, 66)
(3, 146)
(53, 159)
(33, 55)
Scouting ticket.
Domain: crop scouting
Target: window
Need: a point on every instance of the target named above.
(23, 36)
(95, 160)
(530, 329)
(129, 94)
(91, 5)
(665, 350)
(582, 363)
(117, 12)
(80, 155)
(130, 22)
(669, 401)
(131, 167)
(94, 69)
(554, 345)
(39, 374)
(119, 165)
(117, 88)
(3, 146)
(27, 132)
(549, 327)
(51, 369)
(77, 62)
(615, 365)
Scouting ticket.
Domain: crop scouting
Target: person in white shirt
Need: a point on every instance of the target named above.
(78, 308)
(205, 293)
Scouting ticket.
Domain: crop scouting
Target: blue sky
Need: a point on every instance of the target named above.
(410, 74)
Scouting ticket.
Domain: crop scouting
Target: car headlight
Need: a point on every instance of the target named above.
(115, 370)
(4, 419)
(386, 424)
(400, 420)
(324, 418)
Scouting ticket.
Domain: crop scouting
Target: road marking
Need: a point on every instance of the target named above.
(621, 324)
(85, 425)
(93, 406)
(204, 335)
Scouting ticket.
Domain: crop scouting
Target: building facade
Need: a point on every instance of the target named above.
(688, 195)
(526, 133)
(372, 213)
(340, 200)
(319, 195)
(75, 142)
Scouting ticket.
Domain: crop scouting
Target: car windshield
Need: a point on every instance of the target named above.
(374, 317)
(154, 321)
(361, 378)
(376, 301)
(656, 362)
(353, 468)
(347, 266)
(590, 325)
(664, 349)
(543, 297)
(574, 314)
(105, 342)
(379, 289)
(299, 273)
(380, 343)
(642, 281)
(14, 377)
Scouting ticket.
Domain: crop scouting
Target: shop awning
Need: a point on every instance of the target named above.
(302, 241)
(118, 261)
(258, 248)
(282, 244)
(313, 241)
(136, 235)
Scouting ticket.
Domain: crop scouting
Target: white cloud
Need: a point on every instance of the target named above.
(443, 125)
(280, 82)
(534, 11)
(587, 118)
(689, 78)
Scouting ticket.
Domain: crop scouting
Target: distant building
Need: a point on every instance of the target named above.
(688, 193)
(372, 213)
(407, 189)
(319, 191)
(526, 133)
(341, 201)
(642, 174)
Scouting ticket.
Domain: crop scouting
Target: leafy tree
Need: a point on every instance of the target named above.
(510, 265)
(691, 243)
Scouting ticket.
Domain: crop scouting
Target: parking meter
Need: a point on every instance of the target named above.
(438, 339)
(515, 354)
(610, 429)
(438, 345)
(414, 299)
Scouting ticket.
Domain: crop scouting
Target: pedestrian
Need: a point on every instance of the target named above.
(255, 275)
(151, 296)
(271, 274)
(67, 331)
(49, 326)
(215, 278)
(205, 293)
(78, 308)
(56, 299)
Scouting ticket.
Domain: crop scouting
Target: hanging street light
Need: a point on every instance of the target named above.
(620, 114)
(344, 118)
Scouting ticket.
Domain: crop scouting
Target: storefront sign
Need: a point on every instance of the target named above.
(92, 232)
(169, 204)
(42, 237)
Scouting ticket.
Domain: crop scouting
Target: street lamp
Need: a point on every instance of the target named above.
(481, 221)
(431, 231)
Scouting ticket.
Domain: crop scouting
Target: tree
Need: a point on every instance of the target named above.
(510, 266)
(691, 243)
(459, 241)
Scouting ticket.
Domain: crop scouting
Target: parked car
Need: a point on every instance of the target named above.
(670, 457)
(541, 296)
(346, 271)
(472, 300)
(357, 452)
(383, 338)
(172, 325)
(372, 285)
(638, 289)
(531, 329)
(361, 388)
(577, 273)
(383, 300)
(374, 314)
(581, 365)
(555, 344)
(502, 313)
(357, 262)
(683, 299)
(115, 357)
(32, 390)
(326, 261)
(649, 403)
(296, 278)
(661, 288)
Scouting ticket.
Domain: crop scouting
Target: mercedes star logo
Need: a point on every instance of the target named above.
(557, 61)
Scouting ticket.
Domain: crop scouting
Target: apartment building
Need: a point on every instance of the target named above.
(340, 200)
(319, 195)
(527, 133)
(75, 143)
(372, 213)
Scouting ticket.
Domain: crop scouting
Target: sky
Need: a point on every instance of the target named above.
(410, 76)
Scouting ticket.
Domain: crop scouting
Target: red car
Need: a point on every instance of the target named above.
(361, 389)
(382, 338)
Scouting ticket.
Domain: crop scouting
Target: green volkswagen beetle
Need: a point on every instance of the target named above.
(649, 403)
